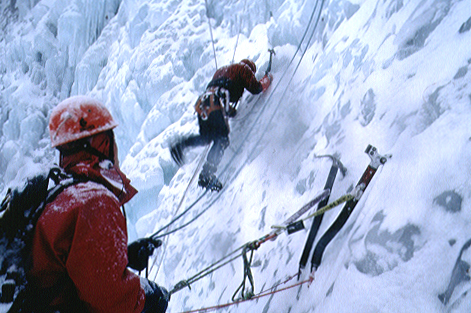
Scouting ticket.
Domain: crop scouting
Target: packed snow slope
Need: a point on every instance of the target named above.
(394, 74)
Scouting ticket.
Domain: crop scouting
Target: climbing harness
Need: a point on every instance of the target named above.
(215, 98)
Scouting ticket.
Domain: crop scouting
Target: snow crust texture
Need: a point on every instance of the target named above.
(395, 74)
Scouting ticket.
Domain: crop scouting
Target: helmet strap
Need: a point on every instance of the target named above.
(97, 153)
(85, 145)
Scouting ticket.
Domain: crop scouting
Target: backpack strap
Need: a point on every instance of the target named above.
(62, 180)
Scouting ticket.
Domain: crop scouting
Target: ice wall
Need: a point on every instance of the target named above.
(347, 73)
(41, 46)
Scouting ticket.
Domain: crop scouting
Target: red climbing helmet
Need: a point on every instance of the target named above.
(78, 117)
(250, 63)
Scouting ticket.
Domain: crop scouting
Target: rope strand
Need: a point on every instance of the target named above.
(257, 296)
(211, 32)
(253, 245)
(234, 174)
(255, 122)
(154, 236)
(238, 32)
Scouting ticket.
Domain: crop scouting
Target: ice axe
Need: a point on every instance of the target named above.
(272, 52)
(336, 161)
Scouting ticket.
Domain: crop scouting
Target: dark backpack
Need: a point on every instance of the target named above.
(21, 209)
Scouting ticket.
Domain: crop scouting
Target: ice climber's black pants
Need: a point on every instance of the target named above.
(213, 129)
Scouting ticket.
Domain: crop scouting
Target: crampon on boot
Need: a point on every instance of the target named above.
(209, 182)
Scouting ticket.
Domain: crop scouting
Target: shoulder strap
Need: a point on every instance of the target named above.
(62, 180)
(223, 82)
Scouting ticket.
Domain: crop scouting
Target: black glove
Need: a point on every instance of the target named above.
(139, 252)
(156, 297)
(232, 112)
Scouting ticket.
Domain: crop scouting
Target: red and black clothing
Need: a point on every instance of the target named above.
(235, 78)
(229, 81)
(79, 248)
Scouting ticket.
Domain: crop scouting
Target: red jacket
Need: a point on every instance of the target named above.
(80, 244)
(235, 78)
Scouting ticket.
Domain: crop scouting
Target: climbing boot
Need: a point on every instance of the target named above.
(209, 182)
(207, 179)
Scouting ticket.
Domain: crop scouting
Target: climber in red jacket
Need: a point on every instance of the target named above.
(79, 250)
(213, 108)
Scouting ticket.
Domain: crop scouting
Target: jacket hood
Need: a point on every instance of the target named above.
(88, 166)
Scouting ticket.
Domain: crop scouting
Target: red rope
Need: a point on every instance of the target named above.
(264, 239)
(260, 295)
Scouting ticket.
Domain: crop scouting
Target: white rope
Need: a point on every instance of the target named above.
(211, 32)
(238, 32)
